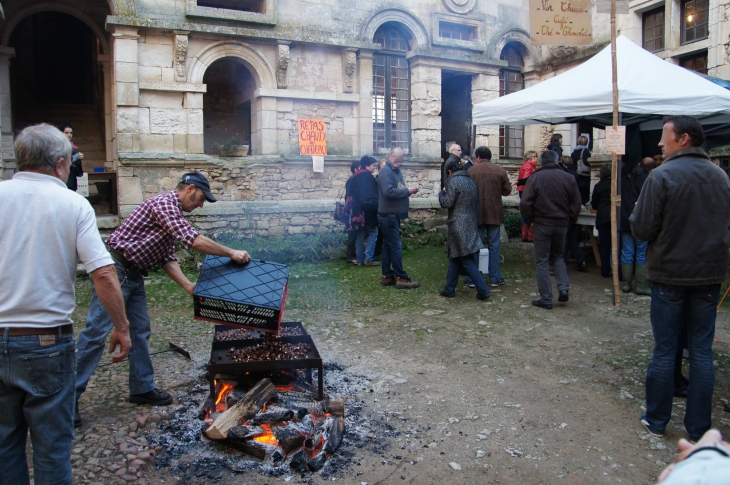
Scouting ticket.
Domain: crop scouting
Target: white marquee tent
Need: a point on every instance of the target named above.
(648, 86)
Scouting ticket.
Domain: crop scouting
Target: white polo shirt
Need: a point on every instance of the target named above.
(43, 227)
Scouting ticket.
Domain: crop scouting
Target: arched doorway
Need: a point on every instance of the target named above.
(227, 105)
(56, 78)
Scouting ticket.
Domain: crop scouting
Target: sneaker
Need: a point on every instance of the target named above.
(77, 417)
(563, 296)
(370, 262)
(387, 281)
(405, 283)
(540, 304)
(469, 284)
(154, 397)
(495, 284)
(646, 425)
(447, 295)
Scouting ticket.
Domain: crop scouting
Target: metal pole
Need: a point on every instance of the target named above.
(615, 199)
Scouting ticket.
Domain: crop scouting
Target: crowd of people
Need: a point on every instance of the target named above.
(44, 372)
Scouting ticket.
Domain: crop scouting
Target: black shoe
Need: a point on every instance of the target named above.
(483, 297)
(727, 407)
(154, 397)
(563, 296)
(77, 417)
(680, 391)
(583, 267)
(447, 295)
(540, 304)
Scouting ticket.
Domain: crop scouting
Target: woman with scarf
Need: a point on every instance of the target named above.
(364, 220)
(76, 169)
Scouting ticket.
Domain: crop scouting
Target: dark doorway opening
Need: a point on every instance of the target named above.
(227, 104)
(456, 112)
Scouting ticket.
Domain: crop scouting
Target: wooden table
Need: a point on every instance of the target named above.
(588, 219)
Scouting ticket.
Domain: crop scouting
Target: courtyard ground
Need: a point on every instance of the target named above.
(449, 390)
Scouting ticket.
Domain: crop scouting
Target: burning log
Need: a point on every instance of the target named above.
(316, 463)
(243, 410)
(252, 447)
(272, 415)
(336, 433)
(289, 439)
(299, 461)
(335, 407)
(242, 433)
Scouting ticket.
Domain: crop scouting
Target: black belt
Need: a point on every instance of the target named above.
(17, 331)
(125, 262)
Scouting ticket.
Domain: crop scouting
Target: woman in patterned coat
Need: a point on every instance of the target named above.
(461, 197)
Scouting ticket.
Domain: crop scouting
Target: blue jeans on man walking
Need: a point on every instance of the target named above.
(670, 307)
(365, 253)
(36, 393)
(469, 263)
(392, 262)
(493, 233)
(98, 325)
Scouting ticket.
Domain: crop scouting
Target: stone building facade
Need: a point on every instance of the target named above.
(171, 85)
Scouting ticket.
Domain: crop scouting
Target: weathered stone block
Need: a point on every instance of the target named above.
(125, 142)
(423, 122)
(151, 74)
(130, 191)
(180, 143)
(126, 72)
(127, 120)
(429, 75)
(193, 101)
(168, 120)
(125, 50)
(285, 105)
(155, 55)
(152, 143)
(143, 120)
(432, 222)
(158, 99)
(485, 82)
(351, 126)
(195, 143)
(195, 121)
(127, 94)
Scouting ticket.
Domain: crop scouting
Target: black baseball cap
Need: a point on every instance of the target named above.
(198, 179)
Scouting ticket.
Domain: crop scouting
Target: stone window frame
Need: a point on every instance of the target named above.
(268, 17)
(647, 16)
(477, 22)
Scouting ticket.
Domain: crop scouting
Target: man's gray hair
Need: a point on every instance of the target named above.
(398, 153)
(39, 147)
(548, 156)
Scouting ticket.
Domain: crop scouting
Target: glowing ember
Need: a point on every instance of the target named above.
(289, 387)
(267, 437)
(225, 390)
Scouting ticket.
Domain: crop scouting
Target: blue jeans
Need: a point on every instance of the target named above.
(98, 325)
(372, 242)
(572, 245)
(469, 263)
(670, 307)
(392, 263)
(360, 250)
(633, 250)
(493, 239)
(36, 394)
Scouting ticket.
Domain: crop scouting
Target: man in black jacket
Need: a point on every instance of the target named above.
(454, 156)
(551, 201)
(684, 213)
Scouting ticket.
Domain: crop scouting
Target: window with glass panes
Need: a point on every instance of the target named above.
(695, 62)
(511, 79)
(448, 30)
(654, 30)
(391, 92)
(695, 20)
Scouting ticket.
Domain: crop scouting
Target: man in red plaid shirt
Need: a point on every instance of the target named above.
(146, 239)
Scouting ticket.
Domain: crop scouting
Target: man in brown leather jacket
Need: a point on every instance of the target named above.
(551, 200)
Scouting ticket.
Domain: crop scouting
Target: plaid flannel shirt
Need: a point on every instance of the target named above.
(147, 237)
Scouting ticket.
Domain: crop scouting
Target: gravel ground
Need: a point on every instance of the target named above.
(449, 390)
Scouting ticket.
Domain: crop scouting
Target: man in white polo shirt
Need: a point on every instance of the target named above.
(45, 228)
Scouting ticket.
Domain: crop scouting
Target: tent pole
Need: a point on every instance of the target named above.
(615, 199)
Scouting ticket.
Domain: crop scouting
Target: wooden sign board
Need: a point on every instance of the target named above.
(312, 137)
(616, 140)
(560, 22)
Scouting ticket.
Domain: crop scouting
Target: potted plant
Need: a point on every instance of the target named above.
(233, 148)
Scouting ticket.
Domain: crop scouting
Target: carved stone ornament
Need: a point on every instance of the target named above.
(181, 54)
(349, 58)
(460, 6)
(282, 64)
